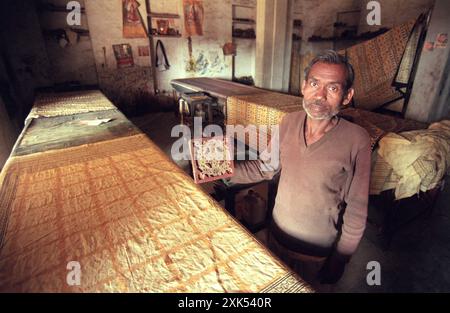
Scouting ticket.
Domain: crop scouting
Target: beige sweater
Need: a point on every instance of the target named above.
(319, 184)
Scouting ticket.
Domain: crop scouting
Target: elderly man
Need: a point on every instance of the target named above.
(321, 206)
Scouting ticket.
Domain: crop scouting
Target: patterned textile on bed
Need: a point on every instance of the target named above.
(412, 161)
(378, 125)
(376, 63)
(68, 103)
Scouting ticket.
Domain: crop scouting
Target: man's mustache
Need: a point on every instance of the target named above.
(316, 102)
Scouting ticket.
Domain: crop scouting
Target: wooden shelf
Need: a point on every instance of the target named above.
(173, 36)
(164, 15)
(252, 38)
(363, 36)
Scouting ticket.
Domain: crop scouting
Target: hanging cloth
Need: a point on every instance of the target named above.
(161, 56)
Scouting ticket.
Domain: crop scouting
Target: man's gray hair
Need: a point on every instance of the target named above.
(332, 57)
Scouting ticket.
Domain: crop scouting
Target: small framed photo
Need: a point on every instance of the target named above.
(124, 55)
(211, 158)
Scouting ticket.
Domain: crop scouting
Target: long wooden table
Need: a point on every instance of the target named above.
(108, 202)
(216, 87)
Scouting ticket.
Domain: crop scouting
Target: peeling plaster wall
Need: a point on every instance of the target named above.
(105, 21)
(75, 62)
(24, 57)
(105, 26)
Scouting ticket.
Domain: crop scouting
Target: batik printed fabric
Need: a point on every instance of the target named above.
(376, 63)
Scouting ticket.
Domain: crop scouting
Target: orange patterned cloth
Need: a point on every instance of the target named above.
(133, 220)
(378, 125)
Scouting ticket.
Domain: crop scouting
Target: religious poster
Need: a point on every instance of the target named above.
(193, 17)
(124, 55)
(133, 26)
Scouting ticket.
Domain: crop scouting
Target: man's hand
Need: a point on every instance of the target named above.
(333, 268)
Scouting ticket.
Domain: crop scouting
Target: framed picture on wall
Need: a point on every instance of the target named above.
(144, 51)
(124, 55)
(163, 26)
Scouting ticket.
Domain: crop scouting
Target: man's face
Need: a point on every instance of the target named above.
(324, 91)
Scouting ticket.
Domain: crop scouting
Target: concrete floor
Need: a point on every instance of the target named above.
(418, 259)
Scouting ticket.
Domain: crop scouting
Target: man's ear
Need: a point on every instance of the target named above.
(348, 97)
(303, 86)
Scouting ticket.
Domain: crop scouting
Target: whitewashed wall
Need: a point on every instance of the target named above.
(105, 21)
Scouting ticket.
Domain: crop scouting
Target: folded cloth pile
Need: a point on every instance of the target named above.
(412, 161)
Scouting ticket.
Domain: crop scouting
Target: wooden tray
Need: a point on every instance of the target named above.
(208, 156)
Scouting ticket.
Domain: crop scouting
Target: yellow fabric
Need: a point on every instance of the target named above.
(132, 219)
(382, 176)
(413, 161)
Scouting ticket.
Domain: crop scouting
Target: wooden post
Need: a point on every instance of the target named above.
(233, 66)
(152, 48)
